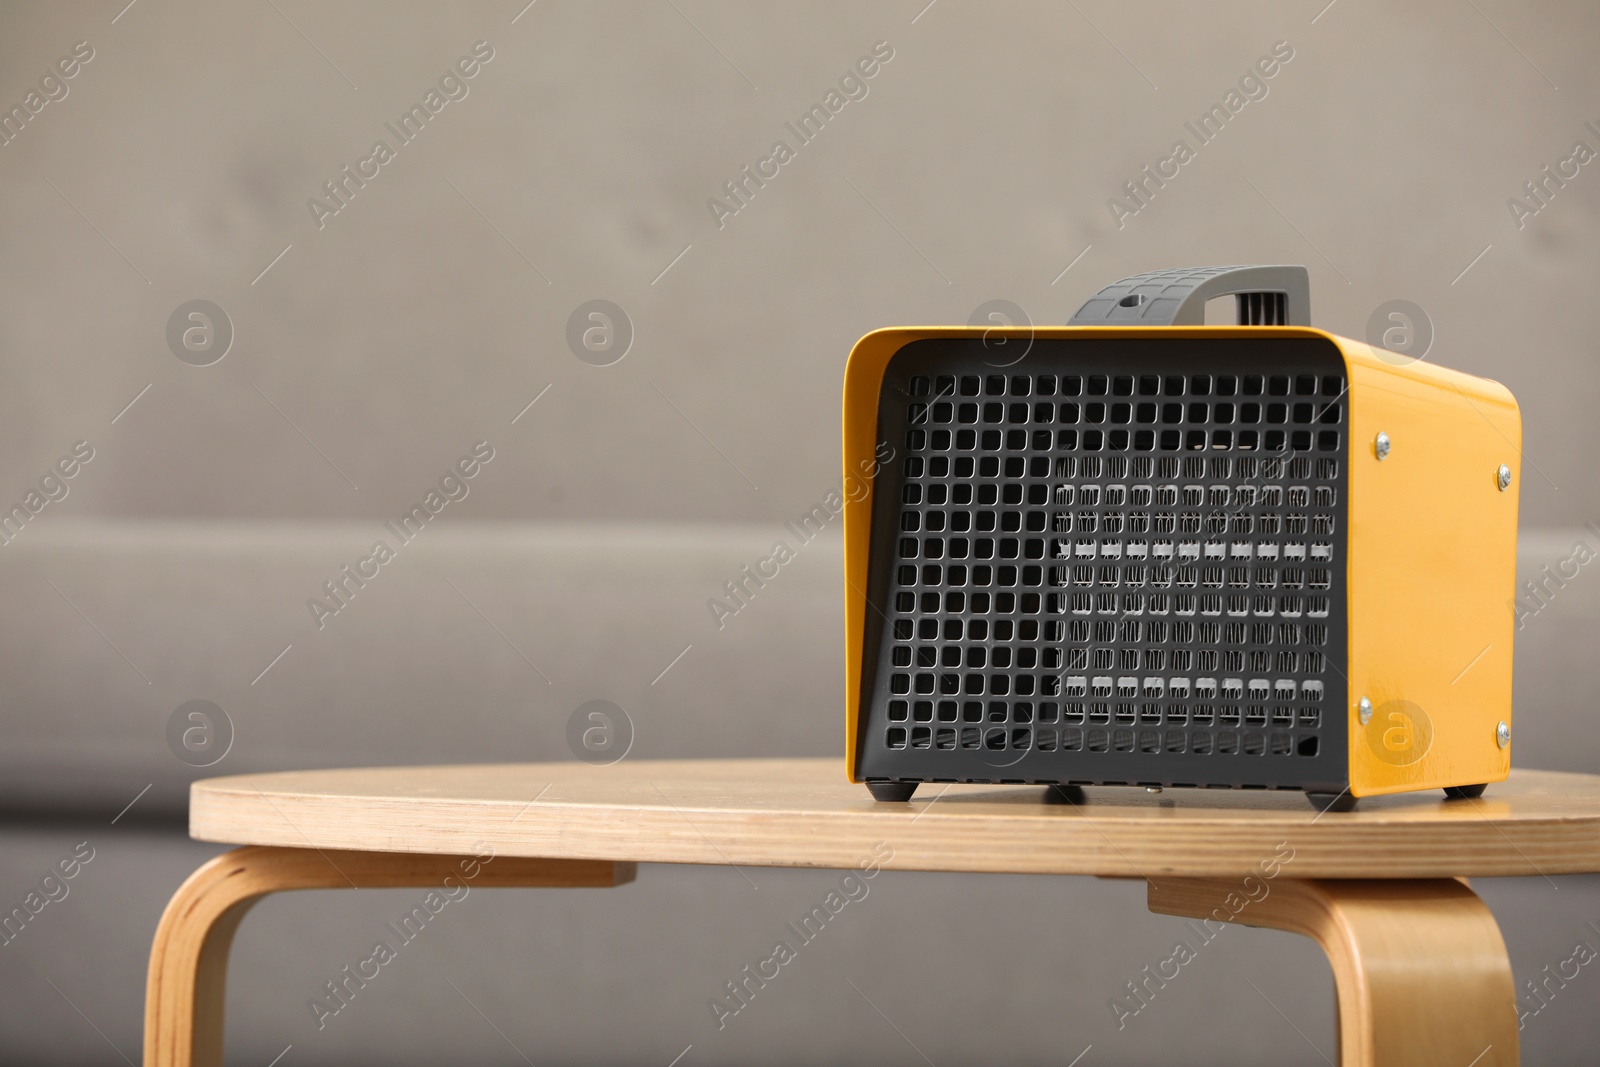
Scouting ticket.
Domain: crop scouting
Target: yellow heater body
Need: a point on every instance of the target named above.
(1412, 682)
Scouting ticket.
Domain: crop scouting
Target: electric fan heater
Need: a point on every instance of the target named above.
(1137, 550)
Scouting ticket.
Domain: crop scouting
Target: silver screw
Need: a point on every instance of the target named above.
(1503, 477)
(1364, 709)
(1502, 734)
(1152, 789)
(1381, 445)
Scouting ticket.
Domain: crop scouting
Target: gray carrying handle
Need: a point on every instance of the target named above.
(1267, 296)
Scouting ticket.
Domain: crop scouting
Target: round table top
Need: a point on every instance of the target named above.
(803, 813)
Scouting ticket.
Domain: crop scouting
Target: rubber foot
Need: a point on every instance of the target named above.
(1332, 801)
(1064, 794)
(892, 792)
(1465, 792)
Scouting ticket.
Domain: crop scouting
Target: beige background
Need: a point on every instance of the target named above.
(408, 328)
(425, 316)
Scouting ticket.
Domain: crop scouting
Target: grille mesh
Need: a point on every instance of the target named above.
(1107, 553)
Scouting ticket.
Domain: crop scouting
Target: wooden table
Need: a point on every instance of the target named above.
(1419, 965)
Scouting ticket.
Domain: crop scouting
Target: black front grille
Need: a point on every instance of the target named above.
(1115, 561)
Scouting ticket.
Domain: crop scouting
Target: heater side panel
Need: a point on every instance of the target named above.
(1432, 573)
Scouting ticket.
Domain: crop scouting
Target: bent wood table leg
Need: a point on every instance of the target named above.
(1419, 966)
(189, 961)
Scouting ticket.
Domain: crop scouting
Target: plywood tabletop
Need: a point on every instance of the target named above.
(803, 813)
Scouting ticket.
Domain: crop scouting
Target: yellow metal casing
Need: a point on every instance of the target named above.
(1430, 549)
